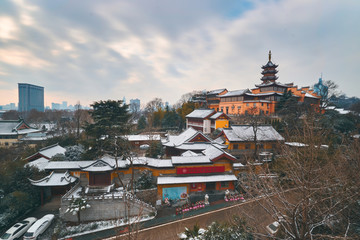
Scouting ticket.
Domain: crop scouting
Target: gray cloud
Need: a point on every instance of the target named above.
(91, 50)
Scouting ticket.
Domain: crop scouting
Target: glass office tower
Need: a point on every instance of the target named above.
(31, 97)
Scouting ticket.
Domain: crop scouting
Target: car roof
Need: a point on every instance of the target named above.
(15, 227)
(38, 223)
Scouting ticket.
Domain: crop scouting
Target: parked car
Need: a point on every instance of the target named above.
(18, 229)
(39, 227)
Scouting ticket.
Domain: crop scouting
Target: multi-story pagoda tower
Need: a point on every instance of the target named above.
(269, 71)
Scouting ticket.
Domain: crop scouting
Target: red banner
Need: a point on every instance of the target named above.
(193, 170)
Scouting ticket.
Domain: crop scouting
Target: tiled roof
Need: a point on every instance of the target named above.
(235, 93)
(245, 133)
(200, 113)
(54, 179)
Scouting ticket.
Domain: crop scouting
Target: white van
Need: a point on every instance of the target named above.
(39, 227)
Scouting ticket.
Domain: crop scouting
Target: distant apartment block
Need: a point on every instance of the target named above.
(31, 97)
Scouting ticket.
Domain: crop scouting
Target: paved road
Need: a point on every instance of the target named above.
(255, 215)
(168, 227)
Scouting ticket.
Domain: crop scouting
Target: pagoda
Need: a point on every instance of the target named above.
(269, 71)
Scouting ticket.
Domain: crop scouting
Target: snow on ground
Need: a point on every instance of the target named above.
(85, 228)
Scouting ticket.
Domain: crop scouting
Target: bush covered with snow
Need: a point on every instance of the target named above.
(235, 230)
(73, 153)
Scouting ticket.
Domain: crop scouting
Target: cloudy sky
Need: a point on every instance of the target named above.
(89, 50)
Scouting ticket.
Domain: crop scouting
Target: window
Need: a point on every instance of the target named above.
(236, 146)
(222, 109)
(224, 184)
(247, 104)
(227, 110)
(247, 146)
(254, 104)
(262, 104)
(261, 146)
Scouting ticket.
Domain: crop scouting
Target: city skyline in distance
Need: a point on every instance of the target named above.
(147, 49)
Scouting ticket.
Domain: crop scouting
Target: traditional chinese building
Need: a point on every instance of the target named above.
(263, 98)
(207, 120)
(190, 139)
(11, 131)
(241, 139)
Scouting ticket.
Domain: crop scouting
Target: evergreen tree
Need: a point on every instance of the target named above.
(142, 123)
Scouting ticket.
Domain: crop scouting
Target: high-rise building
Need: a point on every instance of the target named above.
(134, 105)
(31, 97)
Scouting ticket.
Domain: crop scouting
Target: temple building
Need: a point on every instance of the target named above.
(12, 131)
(263, 98)
(207, 120)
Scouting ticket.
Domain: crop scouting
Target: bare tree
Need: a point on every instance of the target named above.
(310, 188)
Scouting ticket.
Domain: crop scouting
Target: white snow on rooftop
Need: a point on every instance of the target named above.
(190, 159)
(310, 96)
(235, 93)
(196, 179)
(189, 153)
(98, 166)
(199, 146)
(213, 152)
(237, 165)
(200, 113)
(40, 163)
(243, 133)
(52, 151)
(188, 134)
(133, 138)
(54, 179)
(216, 115)
(152, 162)
(217, 91)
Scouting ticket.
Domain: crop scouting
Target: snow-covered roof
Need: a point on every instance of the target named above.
(238, 165)
(216, 115)
(52, 150)
(217, 91)
(189, 153)
(200, 113)
(98, 166)
(235, 93)
(188, 134)
(219, 140)
(153, 162)
(134, 138)
(54, 179)
(274, 83)
(195, 179)
(199, 146)
(40, 163)
(190, 159)
(245, 133)
(15, 127)
(214, 152)
(311, 96)
(263, 94)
